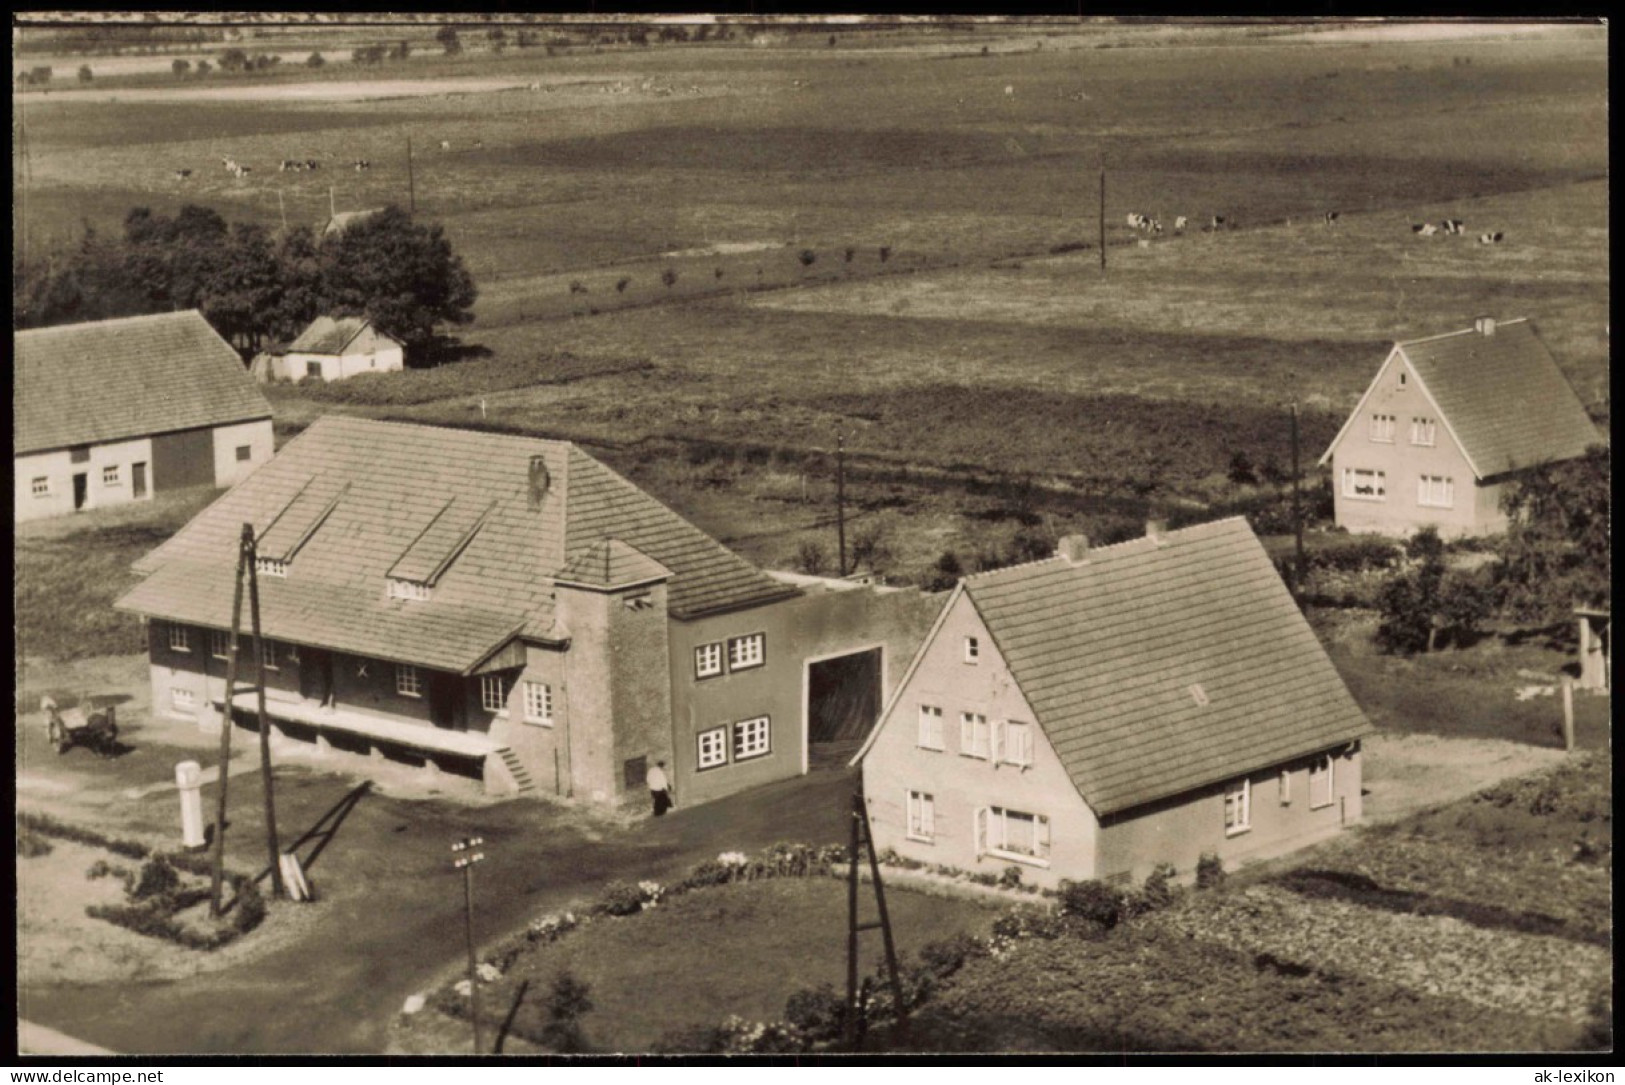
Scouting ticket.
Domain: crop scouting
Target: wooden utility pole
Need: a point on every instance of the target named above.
(332, 207)
(860, 839)
(840, 498)
(1102, 218)
(283, 209)
(244, 546)
(411, 186)
(465, 863)
(1297, 510)
(272, 846)
(1568, 714)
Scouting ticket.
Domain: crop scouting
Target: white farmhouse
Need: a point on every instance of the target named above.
(332, 349)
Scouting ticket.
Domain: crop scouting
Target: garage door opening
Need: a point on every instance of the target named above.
(843, 699)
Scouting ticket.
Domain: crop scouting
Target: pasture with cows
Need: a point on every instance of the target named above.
(709, 261)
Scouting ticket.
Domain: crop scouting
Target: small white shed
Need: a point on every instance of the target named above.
(333, 349)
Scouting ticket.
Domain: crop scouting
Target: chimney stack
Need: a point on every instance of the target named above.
(1074, 548)
(1484, 325)
(1155, 530)
(539, 482)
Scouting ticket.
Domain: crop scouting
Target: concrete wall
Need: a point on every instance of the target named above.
(1182, 829)
(959, 784)
(58, 467)
(814, 626)
(1399, 512)
(257, 436)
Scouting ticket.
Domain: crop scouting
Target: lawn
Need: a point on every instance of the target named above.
(698, 958)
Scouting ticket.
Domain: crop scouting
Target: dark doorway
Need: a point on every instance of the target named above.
(444, 693)
(843, 697)
(316, 675)
(138, 480)
(80, 490)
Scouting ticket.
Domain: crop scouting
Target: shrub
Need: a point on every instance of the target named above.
(669, 277)
(709, 872)
(85, 74)
(621, 898)
(577, 286)
(1209, 871)
(1092, 901)
(818, 1013)
(156, 879)
(32, 845)
(567, 1002)
(250, 909)
(315, 60)
(808, 257)
(810, 558)
(942, 959)
(621, 284)
(1010, 877)
(871, 550)
(850, 253)
(947, 572)
(1158, 888)
(180, 67)
(718, 272)
(885, 253)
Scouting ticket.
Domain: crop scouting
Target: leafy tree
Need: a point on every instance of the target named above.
(1241, 470)
(449, 42)
(315, 60)
(811, 558)
(401, 274)
(1555, 553)
(204, 67)
(180, 67)
(1421, 603)
(567, 1003)
(233, 60)
(498, 38)
(946, 573)
(669, 277)
(402, 50)
(526, 39)
(85, 74)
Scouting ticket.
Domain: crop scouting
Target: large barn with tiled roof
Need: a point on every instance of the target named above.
(1111, 708)
(113, 411)
(510, 609)
(1446, 424)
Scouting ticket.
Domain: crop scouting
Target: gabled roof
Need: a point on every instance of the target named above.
(327, 335)
(346, 219)
(111, 380)
(449, 506)
(610, 563)
(1502, 397)
(1107, 653)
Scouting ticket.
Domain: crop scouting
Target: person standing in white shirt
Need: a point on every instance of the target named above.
(659, 788)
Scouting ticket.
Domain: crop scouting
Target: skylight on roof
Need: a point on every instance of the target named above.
(408, 589)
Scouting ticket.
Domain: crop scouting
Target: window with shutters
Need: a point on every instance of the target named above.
(921, 817)
(708, 660)
(1013, 834)
(930, 727)
(1013, 742)
(1320, 782)
(1238, 807)
(973, 735)
(713, 748)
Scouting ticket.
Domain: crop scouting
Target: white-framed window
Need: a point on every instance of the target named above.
(182, 699)
(1012, 834)
(973, 734)
(930, 727)
(1423, 431)
(408, 681)
(219, 644)
(245, 453)
(268, 652)
(538, 703)
(747, 651)
(922, 817)
(1404, 378)
(494, 693)
(110, 475)
(408, 589)
(1238, 807)
(713, 748)
(1012, 742)
(1436, 491)
(180, 638)
(1286, 787)
(973, 650)
(708, 660)
(40, 486)
(1382, 428)
(1365, 484)
(270, 567)
(752, 738)
(1320, 782)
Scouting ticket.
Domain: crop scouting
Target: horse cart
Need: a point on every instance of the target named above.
(97, 731)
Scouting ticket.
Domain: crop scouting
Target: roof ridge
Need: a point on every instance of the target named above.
(1459, 331)
(363, 420)
(176, 314)
(1098, 549)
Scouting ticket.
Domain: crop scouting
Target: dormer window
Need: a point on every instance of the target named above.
(408, 589)
(270, 567)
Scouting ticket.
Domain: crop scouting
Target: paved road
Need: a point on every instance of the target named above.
(391, 917)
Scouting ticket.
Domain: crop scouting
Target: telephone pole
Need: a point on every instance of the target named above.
(1103, 218)
(272, 846)
(465, 863)
(1297, 510)
(840, 497)
(411, 186)
(218, 876)
(861, 839)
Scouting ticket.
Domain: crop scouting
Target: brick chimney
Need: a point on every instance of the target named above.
(1155, 530)
(1484, 325)
(1074, 548)
(539, 482)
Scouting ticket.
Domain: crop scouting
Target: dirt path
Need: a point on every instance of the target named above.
(1404, 773)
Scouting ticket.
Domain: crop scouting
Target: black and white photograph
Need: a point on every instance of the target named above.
(821, 539)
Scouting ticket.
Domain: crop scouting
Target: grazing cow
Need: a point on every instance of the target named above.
(181, 175)
(478, 143)
(311, 163)
(1452, 226)
(230, 164)
(1426, 229)
(1491, 239)
(445, 145)
(1331, 217)
(362, 164)
(1153, 226)
(1217, 223)
(287, 164)
(1135, 220)
(1179, 224)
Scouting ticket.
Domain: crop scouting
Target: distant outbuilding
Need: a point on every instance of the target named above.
(331, 349)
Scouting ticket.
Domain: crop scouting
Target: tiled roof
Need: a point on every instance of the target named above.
(1107, 652)
(610, 563)
(1503, 397)
(327, 335)
(411, 497)
(111, 380)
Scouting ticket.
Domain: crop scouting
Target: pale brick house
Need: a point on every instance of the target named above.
(114, 411)
(332, 349)
(1097, 713)
(1446, 424)
(511, 610)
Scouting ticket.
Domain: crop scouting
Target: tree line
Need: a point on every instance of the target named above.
(255, 287)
